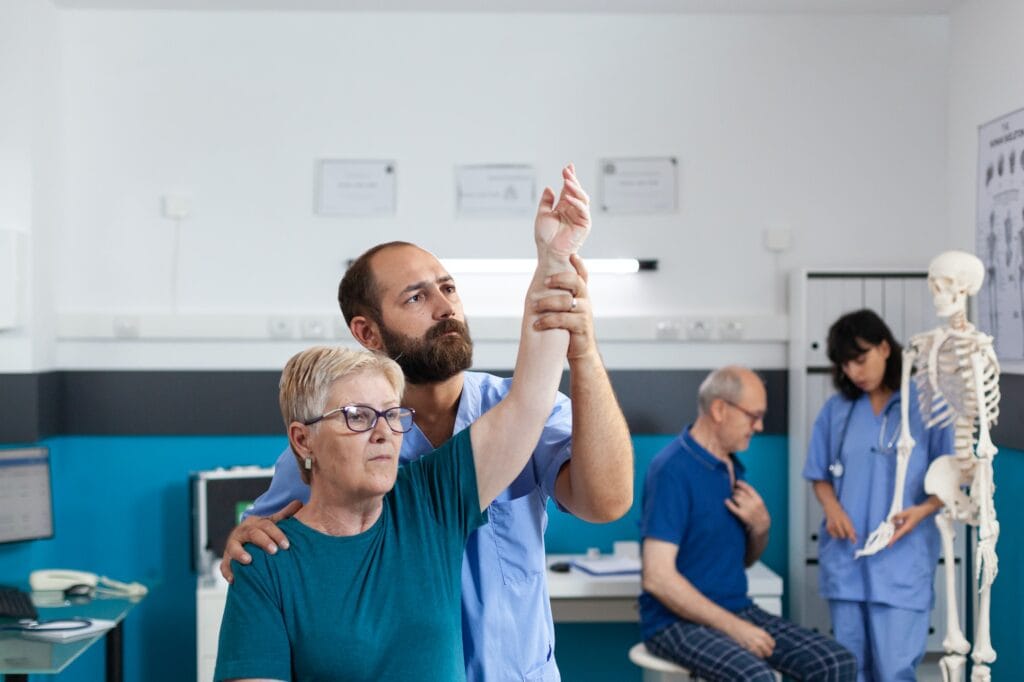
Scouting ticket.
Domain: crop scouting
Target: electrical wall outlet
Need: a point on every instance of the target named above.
(699, 330)
(666, 330)
(281, 328)
(731, 329)
(176, 206)
(126, 327)
(314, 328)
(778, 239)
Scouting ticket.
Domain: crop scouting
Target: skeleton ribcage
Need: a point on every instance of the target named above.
(947, 392)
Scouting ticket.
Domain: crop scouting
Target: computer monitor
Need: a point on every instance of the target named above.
(26, 496)
(219, 498)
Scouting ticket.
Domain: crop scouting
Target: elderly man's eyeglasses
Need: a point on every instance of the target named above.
(754, 417)
(361, 418)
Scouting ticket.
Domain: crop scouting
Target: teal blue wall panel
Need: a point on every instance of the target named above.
(597, 652)
(121, 508)
(568, 535)
(1008, 590)
(765, 461)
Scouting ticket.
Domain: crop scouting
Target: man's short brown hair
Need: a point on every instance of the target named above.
(358, 293)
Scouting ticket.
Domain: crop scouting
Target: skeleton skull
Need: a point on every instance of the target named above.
(952, 277)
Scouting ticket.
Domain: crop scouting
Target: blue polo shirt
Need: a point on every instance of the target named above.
(684, 503)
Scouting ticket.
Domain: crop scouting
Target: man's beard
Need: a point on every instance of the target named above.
(434, 358)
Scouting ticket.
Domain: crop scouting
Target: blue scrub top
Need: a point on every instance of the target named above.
(901, 575)
(507, 629)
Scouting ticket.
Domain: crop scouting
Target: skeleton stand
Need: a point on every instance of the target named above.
(957, 374)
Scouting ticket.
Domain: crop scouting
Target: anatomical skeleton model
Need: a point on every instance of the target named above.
(957, 376)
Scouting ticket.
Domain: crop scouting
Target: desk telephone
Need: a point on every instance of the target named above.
(62, 579)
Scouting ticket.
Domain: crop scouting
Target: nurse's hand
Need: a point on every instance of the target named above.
(838, 524)
(908, 519)
(570, 309)
(752, 638)
(261, 531)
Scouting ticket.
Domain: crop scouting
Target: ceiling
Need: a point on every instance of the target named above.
(895, 7)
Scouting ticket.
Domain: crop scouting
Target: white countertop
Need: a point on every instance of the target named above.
(762, 582)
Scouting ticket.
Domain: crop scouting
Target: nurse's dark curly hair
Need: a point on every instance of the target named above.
(845, 339)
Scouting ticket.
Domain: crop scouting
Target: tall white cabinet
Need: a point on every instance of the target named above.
(817, 299)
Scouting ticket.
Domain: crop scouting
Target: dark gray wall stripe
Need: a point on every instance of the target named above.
(19, 408)
(50, 403)
(1009, 430)
(663, 401)
(35, 406)
(178, 403)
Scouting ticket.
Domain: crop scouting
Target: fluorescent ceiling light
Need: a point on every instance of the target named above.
(503, 266)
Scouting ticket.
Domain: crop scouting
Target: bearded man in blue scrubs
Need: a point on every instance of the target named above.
(397, 298)
(702, 525)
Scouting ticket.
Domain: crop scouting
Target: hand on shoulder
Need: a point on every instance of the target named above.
(261, 531)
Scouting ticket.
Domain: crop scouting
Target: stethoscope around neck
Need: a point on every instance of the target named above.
(836, 467)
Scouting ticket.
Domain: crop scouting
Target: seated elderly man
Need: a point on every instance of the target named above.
(702, 525)
(370, 589)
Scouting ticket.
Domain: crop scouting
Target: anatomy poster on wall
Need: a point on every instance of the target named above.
(999, 238)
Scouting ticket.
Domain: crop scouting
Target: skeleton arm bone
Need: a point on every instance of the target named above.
(906, 443)
(882, 535)
(983, 489)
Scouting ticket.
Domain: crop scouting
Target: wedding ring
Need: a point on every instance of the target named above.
(572, 305)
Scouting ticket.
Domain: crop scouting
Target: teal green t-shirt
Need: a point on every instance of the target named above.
(381, 605)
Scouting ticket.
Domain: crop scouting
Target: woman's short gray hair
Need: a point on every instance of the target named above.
(725, 383)
(308, 376)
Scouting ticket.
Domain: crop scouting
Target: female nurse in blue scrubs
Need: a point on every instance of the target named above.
(879, 604)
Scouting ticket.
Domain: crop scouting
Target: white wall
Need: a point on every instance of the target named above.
(831, 126)
(986, 81)
(29, 176)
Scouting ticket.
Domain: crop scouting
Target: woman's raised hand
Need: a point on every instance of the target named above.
(561, 228)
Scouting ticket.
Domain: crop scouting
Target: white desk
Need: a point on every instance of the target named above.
(577, 597)
(211, 595)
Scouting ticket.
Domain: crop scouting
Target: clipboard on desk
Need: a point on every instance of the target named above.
(608, 565)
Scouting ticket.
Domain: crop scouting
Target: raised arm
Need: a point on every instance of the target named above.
(504, 438)
(597, 483)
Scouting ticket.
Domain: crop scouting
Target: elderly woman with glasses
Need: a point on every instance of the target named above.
(370, 589)
(879, 604)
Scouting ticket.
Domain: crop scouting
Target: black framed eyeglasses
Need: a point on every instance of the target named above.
(754, 417)
(361, 418)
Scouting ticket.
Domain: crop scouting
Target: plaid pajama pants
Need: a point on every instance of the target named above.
(714, 656)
